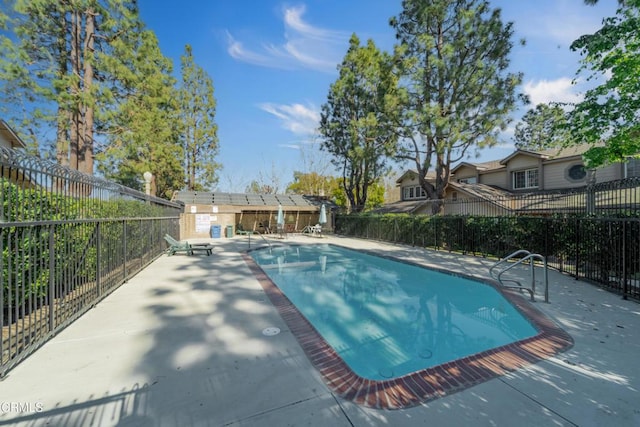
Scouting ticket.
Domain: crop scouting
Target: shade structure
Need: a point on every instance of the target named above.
(280, 220)
(323, 215)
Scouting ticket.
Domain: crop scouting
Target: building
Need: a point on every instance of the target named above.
(513, 183)
(11, 141)
(8, 138)
(206, 213)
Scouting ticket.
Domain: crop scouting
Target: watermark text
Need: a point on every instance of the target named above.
(20, 407)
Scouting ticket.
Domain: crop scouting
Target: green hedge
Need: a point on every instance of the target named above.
(74, 223)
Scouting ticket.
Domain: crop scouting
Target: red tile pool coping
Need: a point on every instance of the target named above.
(427, 384)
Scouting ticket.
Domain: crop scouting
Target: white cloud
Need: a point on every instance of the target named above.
(559, 22)
(291, 146)
(304, 46)
(299, 144)
(296, 118)
(236, 50)
(293, 20)
(567, 28)
(545, 91)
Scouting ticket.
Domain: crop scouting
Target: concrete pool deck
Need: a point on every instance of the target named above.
(182, 344)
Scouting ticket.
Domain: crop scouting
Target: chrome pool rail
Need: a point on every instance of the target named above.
(261, 236)
(527, 256)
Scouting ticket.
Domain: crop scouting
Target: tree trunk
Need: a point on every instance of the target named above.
(437, 207)
(192, 171)
(86, 151)
(62, 137)
(63, 116)
(74, 137)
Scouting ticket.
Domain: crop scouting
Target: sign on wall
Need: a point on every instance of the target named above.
(203, 222)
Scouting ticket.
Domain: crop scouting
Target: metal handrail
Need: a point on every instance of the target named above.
(259, 234)
(531, 258)
(503, 260)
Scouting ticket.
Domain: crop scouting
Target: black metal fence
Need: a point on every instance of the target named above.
(605, 251)
(66, 241)
(619, 197)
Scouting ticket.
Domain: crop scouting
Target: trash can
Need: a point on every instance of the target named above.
(216, 230)
(229, 231)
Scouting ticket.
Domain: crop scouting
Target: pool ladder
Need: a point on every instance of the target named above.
(262, 237)
(528, 256)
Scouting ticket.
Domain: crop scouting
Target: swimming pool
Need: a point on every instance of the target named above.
(392, 334)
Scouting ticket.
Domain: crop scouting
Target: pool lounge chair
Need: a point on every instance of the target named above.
(242, 232)
(176, 246)
(313, 229)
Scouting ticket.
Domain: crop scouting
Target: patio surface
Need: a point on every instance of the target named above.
(181, 344)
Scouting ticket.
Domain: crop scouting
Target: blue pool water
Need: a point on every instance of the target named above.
(387, 318)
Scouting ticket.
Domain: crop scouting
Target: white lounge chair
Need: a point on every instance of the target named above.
(312, 229)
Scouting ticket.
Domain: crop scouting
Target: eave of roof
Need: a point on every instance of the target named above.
(519, 152)
(11, 136)
(405, 174)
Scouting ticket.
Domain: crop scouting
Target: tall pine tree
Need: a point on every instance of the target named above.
(355, 121)
(454, 59)
(199, 131)
(142, 132)
(57, 54)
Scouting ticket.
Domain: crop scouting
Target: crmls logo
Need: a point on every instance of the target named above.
(21, 407)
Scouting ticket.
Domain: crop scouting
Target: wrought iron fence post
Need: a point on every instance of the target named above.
(462, 235)
(413, 231)
(98, 261)
(546, 238)
(435, 233)
(625, 290)
(124, 249)
(591, 193)
(52, 280)
(577, 243)
(395, 229)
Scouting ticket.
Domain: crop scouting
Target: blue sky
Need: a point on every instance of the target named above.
(272, 63)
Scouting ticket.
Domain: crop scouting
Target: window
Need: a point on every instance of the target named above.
(632, 168)
(405, 193)
(525, 179)
(471, 180)
(415, 192)
(576, 173)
